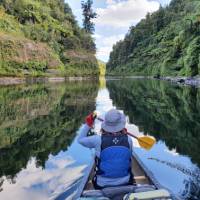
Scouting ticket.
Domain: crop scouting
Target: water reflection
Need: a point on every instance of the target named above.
(41, 159)
(171, 114)
(36, 122)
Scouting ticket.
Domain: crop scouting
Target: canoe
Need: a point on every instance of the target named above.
(146, 187)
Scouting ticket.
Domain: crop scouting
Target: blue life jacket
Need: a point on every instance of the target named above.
(115, 156)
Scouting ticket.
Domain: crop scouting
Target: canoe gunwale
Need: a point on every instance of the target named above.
(85, 179)
(147, 172)
(152, 177)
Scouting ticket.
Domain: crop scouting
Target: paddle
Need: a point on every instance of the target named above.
(145, 142)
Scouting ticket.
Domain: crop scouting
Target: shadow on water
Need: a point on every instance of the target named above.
(39, 120)
(170, 113)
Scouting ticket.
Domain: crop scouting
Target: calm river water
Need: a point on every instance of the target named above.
(41, 159)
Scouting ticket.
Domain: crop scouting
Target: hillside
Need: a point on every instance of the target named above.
(42, 38)
(165, 43)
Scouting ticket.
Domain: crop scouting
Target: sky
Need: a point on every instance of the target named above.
(114, 19)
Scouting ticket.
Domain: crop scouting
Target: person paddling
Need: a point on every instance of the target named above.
(113, 150)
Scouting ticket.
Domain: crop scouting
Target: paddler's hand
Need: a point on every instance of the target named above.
(89, 120)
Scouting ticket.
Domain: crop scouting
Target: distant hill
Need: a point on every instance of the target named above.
(165, 43)
(42, 37)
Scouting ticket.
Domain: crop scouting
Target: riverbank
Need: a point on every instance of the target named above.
(193, 81)
(34, 45)
(29, 80)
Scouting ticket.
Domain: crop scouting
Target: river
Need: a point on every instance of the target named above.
(39, 124)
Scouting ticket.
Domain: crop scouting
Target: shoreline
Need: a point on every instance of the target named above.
(6, 81)
(180, 80)
(190, 81)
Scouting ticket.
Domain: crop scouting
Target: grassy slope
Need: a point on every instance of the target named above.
(39, 38)
(173, 50)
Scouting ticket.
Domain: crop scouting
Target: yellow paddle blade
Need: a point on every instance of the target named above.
(146, 142)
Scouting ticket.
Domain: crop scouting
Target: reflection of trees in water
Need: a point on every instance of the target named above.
(49, 133)
(169, 112)
(20, 104)
(1, 183)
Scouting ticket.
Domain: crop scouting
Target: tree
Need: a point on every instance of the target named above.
(88, 14)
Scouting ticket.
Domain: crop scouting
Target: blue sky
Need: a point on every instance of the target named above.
(114, 19)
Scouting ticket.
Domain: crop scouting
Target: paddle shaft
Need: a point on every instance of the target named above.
(144, 141)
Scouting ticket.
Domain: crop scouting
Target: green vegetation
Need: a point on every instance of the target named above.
(30, 128)
(102, 67)
(165, 43)
(39, 37)
(88, 14)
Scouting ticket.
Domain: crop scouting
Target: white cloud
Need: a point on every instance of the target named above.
(97, 36)
(172, 152)
(108, 41)
(105, 44)
(43, 184)
(103, 51)
(110, 2)
(124, 13)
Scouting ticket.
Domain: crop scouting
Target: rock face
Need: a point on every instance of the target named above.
(23, 54)
(11, 81)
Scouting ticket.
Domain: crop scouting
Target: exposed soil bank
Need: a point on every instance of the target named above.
(17, 80)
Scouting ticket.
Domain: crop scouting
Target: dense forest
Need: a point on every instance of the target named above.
(165, 43)
(42, 37)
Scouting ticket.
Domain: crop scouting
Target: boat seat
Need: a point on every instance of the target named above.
(112, 192)
(92, 193)
(139, 177)
(93, 198)
(161, 194)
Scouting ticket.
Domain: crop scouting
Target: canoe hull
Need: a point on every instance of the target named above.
(145, 181)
